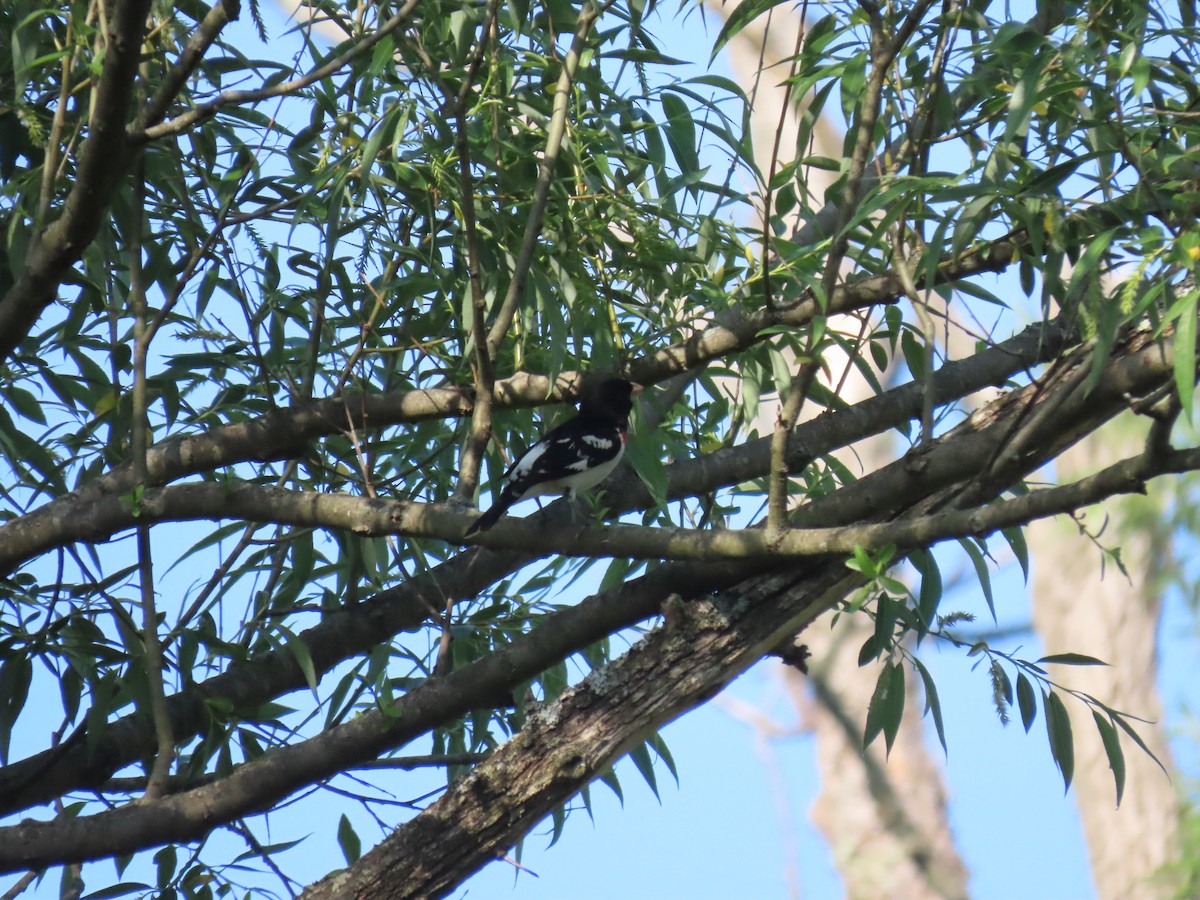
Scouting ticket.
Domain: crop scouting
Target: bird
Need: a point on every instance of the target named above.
(575, 456)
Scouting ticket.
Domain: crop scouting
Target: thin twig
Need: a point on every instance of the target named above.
(206, 111)
(140, 443)
(485, 375)
(554, 138)
(784, 109)
(219, 15)
(50, 163)
(883, 54)
(21, 884)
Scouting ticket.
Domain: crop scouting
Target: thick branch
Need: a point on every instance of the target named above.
(366, 516)
(93, 514)
(699, 649)
(936, 482)
(285, 433)
(355, 629)
(103, 161)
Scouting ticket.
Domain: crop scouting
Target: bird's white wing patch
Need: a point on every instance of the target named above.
(526, 463)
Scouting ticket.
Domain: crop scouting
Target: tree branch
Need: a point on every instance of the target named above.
(541, 192)
(939, 479)
(97, 515)
(139, 440)
(699, 649)
(206, 111)
(285, 433)
(219, 15)
(471, 458)
(103, 160)
(356, 629)
(372, 517)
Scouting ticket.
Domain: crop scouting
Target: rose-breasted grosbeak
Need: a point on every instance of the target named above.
(575, 456)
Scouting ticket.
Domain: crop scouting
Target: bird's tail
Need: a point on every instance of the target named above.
(498, 508)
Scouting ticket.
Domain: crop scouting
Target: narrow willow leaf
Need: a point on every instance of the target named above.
(299, 650)
(981, 572)
(1026, 701)
(1137, 738)
(681, 132)
(349, 841)
(641, 758)
(660, 747)
(1058, 729)
(1112, 747)
(1016, 541)
(610, 779)
(742, 15)
(895, 705)
(559, 818)
(933, 705)
(930, 596)
(1072, 659)
(1185, 351)
(886, 708)
(165, 861)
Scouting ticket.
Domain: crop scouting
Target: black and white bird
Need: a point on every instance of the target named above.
(575, 456)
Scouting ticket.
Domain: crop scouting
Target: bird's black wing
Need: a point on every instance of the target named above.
(573, 448)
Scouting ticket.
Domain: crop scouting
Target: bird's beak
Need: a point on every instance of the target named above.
(637, 389)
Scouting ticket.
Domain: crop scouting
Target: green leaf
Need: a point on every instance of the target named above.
(981, 572)
(1112, 748)
(16, 675)
(1185, 351)
(930, 595)
(25, 403)
(660, 747)
(1022, 101)
(743, 14)
(1016, 541)
(870, 650)
(165, 861)
(933, 705)
(886, 708)
(854, 82)
(641, 758)
(681, 132)
(299, 650)
(1137, 738)
(349, 841)
(1058, 729)
(887, 611)
(1072, 659)
(558, 817)
(122, 889)
(610, 779)
(1026, 701)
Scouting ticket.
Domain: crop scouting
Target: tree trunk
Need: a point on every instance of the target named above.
(1083, 603)
(886, 821)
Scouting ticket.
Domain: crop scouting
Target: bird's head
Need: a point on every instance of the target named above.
(611, 400)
